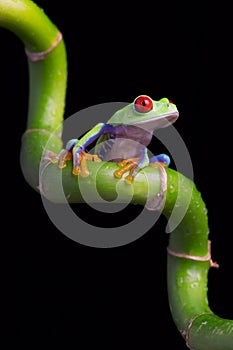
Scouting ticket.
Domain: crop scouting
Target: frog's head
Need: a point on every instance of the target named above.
(146, 113)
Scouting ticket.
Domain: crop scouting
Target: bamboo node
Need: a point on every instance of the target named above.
(186, 333)
(43, 131)
(207, 257)
(39, 56)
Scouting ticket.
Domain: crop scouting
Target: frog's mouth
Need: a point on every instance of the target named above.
(162, 121)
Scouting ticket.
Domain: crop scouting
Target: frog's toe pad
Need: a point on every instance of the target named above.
(129, 179)
(76, 171)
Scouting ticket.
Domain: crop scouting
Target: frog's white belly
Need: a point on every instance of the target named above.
(120, 148)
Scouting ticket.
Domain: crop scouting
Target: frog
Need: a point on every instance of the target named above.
(122, 139)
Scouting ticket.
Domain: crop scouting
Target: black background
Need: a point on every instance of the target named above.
(58, 290)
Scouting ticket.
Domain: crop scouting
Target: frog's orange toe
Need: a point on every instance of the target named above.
(54, 160)
(62, 165)
(125, 166)
(96, 158)
(157, 164)
(76, 171)
(129, 179)
(119, 173)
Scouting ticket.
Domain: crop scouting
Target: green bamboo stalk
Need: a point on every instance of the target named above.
(47, 85)
(187, 279)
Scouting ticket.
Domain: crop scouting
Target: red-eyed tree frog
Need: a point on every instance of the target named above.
(123, 139)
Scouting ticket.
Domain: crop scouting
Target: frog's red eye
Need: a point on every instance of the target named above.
(143, 104)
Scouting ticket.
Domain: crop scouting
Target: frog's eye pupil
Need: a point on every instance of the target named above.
(143, 104)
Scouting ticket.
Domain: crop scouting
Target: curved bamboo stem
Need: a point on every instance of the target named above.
(47, 85)
(187, 277)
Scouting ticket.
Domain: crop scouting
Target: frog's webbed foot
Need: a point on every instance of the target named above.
(80, 164)
(60, 158)
(131, 165)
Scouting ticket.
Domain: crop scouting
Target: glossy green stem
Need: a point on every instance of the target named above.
(187, 279)
(47, 85)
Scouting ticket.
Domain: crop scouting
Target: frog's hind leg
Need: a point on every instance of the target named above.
(162, 159)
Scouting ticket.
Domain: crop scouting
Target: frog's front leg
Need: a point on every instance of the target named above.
(133, 165)
(79, 160)
(78, 151)
(73, 151)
